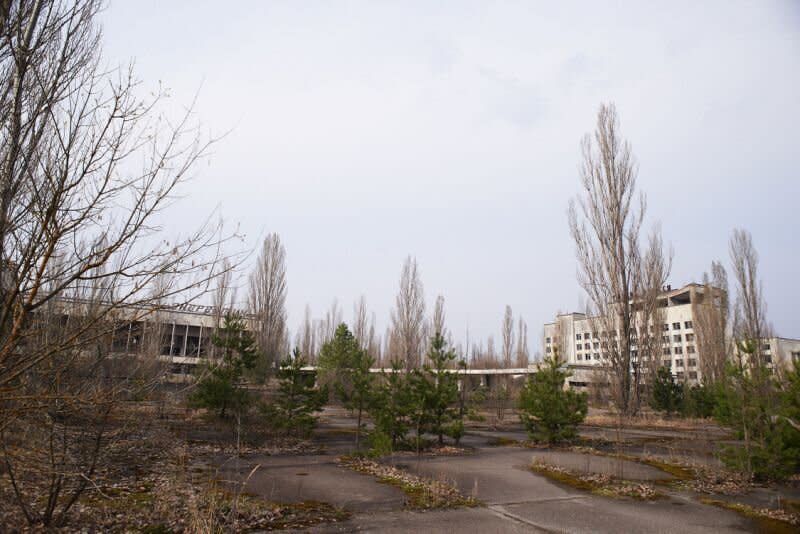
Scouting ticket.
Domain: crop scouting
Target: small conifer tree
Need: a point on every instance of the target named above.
(297, 399)
(219, 387)
(667, 394)
(549, 411)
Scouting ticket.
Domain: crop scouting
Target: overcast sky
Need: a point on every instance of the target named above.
(365, 132)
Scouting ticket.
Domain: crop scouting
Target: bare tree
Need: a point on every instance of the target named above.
(307, 337)
(749, 311)
(508, 337)
(87, 170)
(408, 316)
(605, 225)
(439, 317)
(711, 314)
(523, 355)
(646, 337)
(223, 298)
(333, 318)
(361, 322)
(267, 302)
(374, 341)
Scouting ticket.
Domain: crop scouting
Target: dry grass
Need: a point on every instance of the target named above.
(770, 521)
(648, 421)
(156, 482)
(603, 485)
(422, 493)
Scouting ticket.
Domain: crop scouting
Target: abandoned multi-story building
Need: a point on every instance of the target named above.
(583, 344)
(178, 335)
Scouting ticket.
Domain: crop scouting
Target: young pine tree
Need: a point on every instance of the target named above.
(345, 367)
(392, 405)
(667, 394)
(219, 387)
(441, 391)
(549, 412)
(757, 407)
(298, 399)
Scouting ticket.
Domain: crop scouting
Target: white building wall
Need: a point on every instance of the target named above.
(679, 344)
(679, 352)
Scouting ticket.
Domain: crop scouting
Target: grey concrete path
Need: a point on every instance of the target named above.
(514, 498)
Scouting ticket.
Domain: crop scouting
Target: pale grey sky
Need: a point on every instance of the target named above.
(362, 132)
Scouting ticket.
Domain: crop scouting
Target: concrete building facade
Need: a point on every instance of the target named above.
(583, 345)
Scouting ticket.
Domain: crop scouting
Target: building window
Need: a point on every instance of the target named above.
(692, 362)
(548, 340)
(687, 324)
(596, 355)
(678, 350)
(579, 346)
(676, 338)
(580, 356)
(679, 362)
(690, 349)
(666, 327)
(689, 337)
(693, 375)
(596, 345)
(547, 350)
(768, 358)
(679, 375)
(765, 346)
(667, 363)
(666, 351)
(665, 339)
(676, 326)
(594, 335)
(578, 337)
(586, 335)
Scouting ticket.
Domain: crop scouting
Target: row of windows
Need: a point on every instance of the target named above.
(677, 326)
(676, 339)
(678, 350)
(614, 333)
(691, 362)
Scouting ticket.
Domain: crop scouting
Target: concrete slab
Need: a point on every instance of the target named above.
(482, 520)
(501, 474)
(598, 515)
(301, 478)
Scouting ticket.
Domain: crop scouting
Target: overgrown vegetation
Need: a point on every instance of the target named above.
(298, 398)
(603, 485)
(667, 393)
(438, 388)
(764, 414)
(769, 520)
(550, 411)
(220, 383)
(346, 368)
(422, 493)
